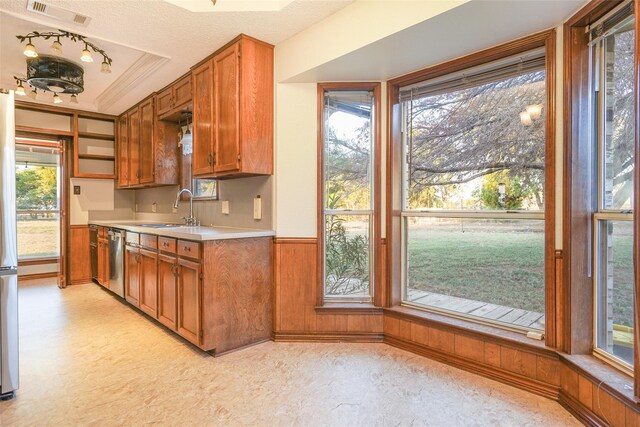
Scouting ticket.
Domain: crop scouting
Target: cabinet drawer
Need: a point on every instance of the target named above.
(189, 249)
(149, 241)
(167, 244)
(133, 238)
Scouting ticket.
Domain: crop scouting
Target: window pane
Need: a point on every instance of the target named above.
(491, 269)
(347, 149)
(205, 188)
(618, 120)
(482, 147)
(615, 289)
(347, 250)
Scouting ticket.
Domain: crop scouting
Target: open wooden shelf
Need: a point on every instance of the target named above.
(91, 135)
(96, 157)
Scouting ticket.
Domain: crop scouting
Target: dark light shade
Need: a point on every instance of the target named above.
(55, 74)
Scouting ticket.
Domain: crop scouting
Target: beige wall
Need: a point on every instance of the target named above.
(296, 117)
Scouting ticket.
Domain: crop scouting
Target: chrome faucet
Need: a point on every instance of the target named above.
(191, 220)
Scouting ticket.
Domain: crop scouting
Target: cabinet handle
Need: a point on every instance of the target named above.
(187, 248)
(175, 269)
(165, 244)
(210, 159)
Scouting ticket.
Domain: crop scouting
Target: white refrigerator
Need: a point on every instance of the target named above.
(8, 251)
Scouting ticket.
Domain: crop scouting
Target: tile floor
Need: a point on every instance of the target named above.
(88, 359)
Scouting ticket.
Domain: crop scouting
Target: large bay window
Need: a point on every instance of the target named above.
(612, 76)
(473, 192)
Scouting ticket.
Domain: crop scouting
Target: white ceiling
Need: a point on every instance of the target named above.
(151, 42)
(468, 28)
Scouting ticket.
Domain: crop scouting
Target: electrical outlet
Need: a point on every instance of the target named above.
(136, 207)
(257, 208)
(225, 207)
(154, 207)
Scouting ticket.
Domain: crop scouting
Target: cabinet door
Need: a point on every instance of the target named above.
(123, 151)
(202, 159)
(147, 156)
(149, 282)
(132, 282)
(182, 92)
(133, 117)
(101, 262)
(105, 259)
(189, 296)
(164, 101)
(168, 290)
(227, 109)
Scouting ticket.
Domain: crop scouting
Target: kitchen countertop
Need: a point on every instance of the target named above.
(199, 233)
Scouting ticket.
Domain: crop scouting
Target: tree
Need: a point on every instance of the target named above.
(461, 136)
(37, 188)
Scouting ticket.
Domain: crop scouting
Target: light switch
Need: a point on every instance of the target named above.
(225, 207)
(76, 189)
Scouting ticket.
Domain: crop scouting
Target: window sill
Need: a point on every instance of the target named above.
(348, 308)
(37, 261)
(611, 379)
(488, 333)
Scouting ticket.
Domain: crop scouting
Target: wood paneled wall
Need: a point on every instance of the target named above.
(295, 314)
(79, 254)
(529, 366)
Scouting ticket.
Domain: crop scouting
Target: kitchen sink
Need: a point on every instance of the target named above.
(161, 225)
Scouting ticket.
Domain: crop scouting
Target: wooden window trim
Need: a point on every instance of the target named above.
(377, 185)
(38, 261)
(546, 39)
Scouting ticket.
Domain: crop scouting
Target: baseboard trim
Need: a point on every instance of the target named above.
(37, 276)
(81, 281)
(364, 337)
(528, 384)
(581, 412)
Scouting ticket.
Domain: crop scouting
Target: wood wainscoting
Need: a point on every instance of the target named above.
(592, 391)
(296, 317)
(79, 254)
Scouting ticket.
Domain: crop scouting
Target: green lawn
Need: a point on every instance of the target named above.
(38, 238)
(498, 262)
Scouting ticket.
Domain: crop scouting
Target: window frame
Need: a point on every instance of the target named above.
(601, 214)
(374, 224)
(395, 203)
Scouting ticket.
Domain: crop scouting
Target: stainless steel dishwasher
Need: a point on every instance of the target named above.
(116, 261)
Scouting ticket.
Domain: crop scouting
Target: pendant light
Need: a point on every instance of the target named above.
(57, 99)
(86, 54)
(30, 50)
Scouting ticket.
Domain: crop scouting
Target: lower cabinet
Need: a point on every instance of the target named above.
(189, 300)
(149, 282)
(132, 276)
(217, 295)
(168, 291)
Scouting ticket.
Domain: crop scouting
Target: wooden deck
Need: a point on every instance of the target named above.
(498, 313)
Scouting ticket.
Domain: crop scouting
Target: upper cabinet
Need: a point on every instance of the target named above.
(174, 100)
(147, 148)
(233, 111)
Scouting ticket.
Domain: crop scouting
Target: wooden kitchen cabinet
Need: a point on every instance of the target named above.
(233, 114)
(148, 156)
(170, 102)
(132, 276)
(202, 159)
(189, 300)
(146, 170)
(149, 282)
(215, 294)
(123, 151)
(168, 290)
(133, 164)
(103, 257)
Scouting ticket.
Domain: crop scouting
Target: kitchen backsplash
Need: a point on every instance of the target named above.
(238, 192)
